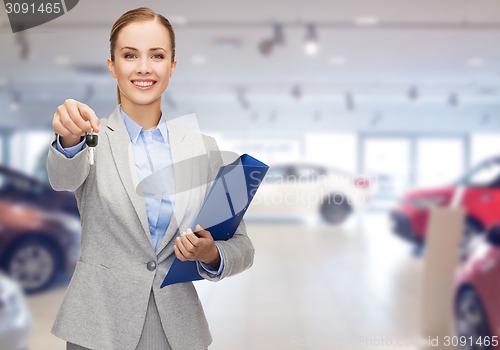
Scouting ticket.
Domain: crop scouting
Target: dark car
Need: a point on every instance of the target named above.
(20, 188)
(37, 244)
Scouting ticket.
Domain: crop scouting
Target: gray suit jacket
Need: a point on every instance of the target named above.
(105, 305)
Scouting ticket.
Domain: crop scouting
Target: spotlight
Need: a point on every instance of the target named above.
(24, 45)
(297, 92)
(242, 99)
(15, 101)
(413, 95)
(349, 102)
(453, 101)
(266, 47)
(278, 37)
(311, 47)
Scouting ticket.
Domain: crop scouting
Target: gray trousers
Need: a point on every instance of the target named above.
(152, 337)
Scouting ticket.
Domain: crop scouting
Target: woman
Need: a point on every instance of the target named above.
(130, 240)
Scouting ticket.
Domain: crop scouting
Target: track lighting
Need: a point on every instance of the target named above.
(453, 101)
(349, 102)
(311, 47)
(413, 94)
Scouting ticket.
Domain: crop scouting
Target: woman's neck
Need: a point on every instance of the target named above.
(147, 116)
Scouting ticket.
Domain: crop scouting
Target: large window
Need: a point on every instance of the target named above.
(387, 161)
(440, 161)
(337, 150)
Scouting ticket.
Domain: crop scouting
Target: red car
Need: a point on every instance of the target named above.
(477, 302)
(478, 192)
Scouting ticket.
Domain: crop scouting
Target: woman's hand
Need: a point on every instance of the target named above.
(202, 247)
(72, 120)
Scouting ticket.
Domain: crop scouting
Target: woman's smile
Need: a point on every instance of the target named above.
(143, 84)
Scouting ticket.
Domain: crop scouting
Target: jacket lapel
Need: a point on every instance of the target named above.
(181, 152)
(124, 160)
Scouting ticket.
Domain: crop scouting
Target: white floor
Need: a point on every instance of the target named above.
(312, 286)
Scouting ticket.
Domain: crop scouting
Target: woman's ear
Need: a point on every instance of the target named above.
(111, 67)
(172, 67)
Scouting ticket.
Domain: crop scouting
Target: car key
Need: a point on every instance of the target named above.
(91, 141)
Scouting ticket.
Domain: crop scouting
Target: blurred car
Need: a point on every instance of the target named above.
(478, 192)
(15, 317)
(477, 302)
(36, 244)
(18, 187)
(302, 189)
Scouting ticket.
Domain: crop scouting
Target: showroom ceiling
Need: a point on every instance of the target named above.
(379, 64)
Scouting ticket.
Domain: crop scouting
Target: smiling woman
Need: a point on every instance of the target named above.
(129, 241)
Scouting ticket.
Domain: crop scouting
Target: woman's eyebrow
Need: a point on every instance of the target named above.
(152, 49)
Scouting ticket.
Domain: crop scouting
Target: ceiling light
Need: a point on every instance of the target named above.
(297, 92)
(278, 37)
(366, 21)
(242, 99)
(349, 102)
(199, 60)
(413, 94)
(15, 101)
(311, 47)
(266, 47)
(24, 45)
(475, 62)
(338, 60)
(453, 101)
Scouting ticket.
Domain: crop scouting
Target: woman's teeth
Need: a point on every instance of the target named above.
(143, 83)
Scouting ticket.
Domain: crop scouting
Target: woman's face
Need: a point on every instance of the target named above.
(143, 64)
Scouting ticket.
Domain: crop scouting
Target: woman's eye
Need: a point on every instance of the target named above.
(158, 56)
(129, 55)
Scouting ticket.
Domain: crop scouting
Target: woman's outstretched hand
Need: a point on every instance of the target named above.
(199, 246)
(72, 120)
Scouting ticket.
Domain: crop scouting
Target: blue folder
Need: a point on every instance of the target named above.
(227, 201)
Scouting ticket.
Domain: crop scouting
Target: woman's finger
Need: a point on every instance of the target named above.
(67, 122)
(178, 254)
(183, 249)
(89, 114)
(76, 116)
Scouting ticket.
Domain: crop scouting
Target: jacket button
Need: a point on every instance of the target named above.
(151, 265)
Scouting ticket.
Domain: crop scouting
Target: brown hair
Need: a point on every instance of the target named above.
(140, 14)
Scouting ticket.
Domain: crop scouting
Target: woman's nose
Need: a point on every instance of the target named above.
(143, 66)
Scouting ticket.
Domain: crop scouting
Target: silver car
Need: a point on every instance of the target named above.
(15, 317)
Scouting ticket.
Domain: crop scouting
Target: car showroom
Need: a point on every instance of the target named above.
(377, 224)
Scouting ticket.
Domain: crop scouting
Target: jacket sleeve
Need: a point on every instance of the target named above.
(66, 174)
(238, 251)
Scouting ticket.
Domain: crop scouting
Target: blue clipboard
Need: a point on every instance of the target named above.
(225, 205)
